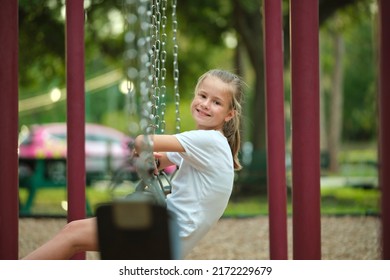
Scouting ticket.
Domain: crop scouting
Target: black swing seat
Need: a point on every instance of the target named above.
(138, 227)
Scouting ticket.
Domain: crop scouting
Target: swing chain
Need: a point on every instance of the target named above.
(176, 66)
(130, 56)
(155, 19)
(146, 57)
(163, 68)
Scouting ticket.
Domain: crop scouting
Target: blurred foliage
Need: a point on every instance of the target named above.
(204, 27)
(41, 45)
(42, 58)
(208, 32)
(348, 201)
(357, 26)
(359, 153)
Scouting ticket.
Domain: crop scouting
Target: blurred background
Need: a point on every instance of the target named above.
(211, 34)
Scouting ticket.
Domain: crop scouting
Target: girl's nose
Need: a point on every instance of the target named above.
(205, 104)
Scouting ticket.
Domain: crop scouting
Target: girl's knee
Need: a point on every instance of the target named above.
(81, 233)
(73, 227)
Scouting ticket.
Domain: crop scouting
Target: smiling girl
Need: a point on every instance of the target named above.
(207, 158)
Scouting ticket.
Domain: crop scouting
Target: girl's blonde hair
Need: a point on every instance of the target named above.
(231, 129)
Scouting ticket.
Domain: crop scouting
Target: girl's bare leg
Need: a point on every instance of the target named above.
(76, 236)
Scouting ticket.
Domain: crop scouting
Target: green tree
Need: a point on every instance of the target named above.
(360, 123)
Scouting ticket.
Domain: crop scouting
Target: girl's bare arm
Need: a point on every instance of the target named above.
(161, 144)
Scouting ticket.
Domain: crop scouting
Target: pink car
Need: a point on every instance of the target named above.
(106, 151)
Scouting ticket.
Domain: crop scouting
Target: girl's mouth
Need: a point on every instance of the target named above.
(202, 113)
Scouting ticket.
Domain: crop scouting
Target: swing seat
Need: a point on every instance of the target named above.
(136, 229)
(138, 226)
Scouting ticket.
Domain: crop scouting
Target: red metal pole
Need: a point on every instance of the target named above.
(384, 117)
(305, 129)
(9, 214)
(75, 111)
(276, 169)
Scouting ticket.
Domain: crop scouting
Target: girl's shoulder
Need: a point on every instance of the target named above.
(201, 132)
(202, 137)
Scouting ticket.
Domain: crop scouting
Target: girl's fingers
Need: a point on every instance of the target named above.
(157, 155)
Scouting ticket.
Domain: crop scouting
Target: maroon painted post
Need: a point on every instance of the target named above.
(305, 129)
(384, 117)
(76, 177)
(276, 169)
(9, 203)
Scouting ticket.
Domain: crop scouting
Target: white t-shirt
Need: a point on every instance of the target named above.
(202, 185)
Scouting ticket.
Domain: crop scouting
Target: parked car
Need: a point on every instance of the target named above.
(43, 148)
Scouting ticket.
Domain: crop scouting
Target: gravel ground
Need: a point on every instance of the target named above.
(353, 238)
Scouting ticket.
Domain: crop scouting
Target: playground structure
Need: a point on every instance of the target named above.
(305, 116)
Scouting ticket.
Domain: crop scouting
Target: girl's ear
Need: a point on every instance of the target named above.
(230, 115)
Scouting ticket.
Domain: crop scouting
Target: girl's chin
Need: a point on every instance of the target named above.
(199, 118)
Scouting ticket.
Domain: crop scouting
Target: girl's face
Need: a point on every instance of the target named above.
(211, 106)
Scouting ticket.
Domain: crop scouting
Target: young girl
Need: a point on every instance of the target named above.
(207, 158)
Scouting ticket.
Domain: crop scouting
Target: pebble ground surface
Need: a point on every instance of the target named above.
(342, 238)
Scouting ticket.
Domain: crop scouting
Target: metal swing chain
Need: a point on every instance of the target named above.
(146, 79)
(155, 61)
(176, 66)
(144, 21)
(138, 76)
(132, 28)
(137, 82)
(146, 57)
(163, 70)
(158, 59)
